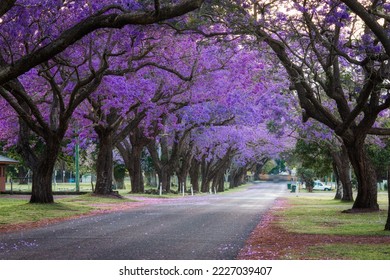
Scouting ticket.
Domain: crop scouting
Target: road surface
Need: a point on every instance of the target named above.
(189, 228)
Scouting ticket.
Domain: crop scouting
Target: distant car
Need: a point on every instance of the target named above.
(320, 186)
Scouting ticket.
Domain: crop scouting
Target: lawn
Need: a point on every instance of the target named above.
(350, 251)
(16, 211)
(314, 227)
(323, 215)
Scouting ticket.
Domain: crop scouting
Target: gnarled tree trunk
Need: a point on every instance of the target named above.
(43, 175)
(164, 176)
(40, 162)
(104, 164)
(366, 198)
(237, 177)
(137, 180)
(219, 181)
(341, 162)
(184, 168)
(339, 187)
(194, 174)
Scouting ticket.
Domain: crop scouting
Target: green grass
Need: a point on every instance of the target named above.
(323, 215)
(17, 211)
(350, 251)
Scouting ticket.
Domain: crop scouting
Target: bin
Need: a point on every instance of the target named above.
(293, 188)
(289, 186)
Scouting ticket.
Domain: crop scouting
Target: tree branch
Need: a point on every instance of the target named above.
(371, 22)
(5, 6)
(379, 131)
(88, 25)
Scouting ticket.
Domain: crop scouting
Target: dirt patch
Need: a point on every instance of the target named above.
(271, 242)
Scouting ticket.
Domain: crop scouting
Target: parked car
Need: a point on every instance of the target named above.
(321, 186)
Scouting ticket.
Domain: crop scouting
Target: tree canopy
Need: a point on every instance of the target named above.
(206, 93)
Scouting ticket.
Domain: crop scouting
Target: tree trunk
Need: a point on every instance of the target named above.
(339, 187)
(165, 180)
(41, 163)
(387, 226)
(233, 179)
(220, 181)
(104, 162)
(237, 177)
(194, 174)
(366, 199)
(205, 183)
(182, 182)
(137, 182)
(131, 153)
(151, 178)
(43, 175)
(119, 175)
(341, 162)
(258, 169)
(215, 184)
(184, 168)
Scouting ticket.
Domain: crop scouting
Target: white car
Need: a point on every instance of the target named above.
(320, 186)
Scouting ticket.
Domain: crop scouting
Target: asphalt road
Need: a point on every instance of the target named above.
(190, 228)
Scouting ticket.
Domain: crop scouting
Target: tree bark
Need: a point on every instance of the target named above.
(6, 5)
(40, 162)
(86, 26)
(237, 177)
(165, 179)
(163, 164)
(184, 168)
(194, 174)
(366, 199)
(137, 182)
(219, 181)
(341, 161)
(205, 170)
(43, 175)
(104, 164)
(339, 187)
(131, 152)
(258, 168)
(387, 226)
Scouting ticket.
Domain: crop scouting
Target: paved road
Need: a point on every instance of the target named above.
(199, 227)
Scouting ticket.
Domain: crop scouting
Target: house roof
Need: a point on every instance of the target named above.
(5, 160)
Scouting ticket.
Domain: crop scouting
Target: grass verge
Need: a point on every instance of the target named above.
(314, 228)
(350, 251)
(323, 215)
(18, 213)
